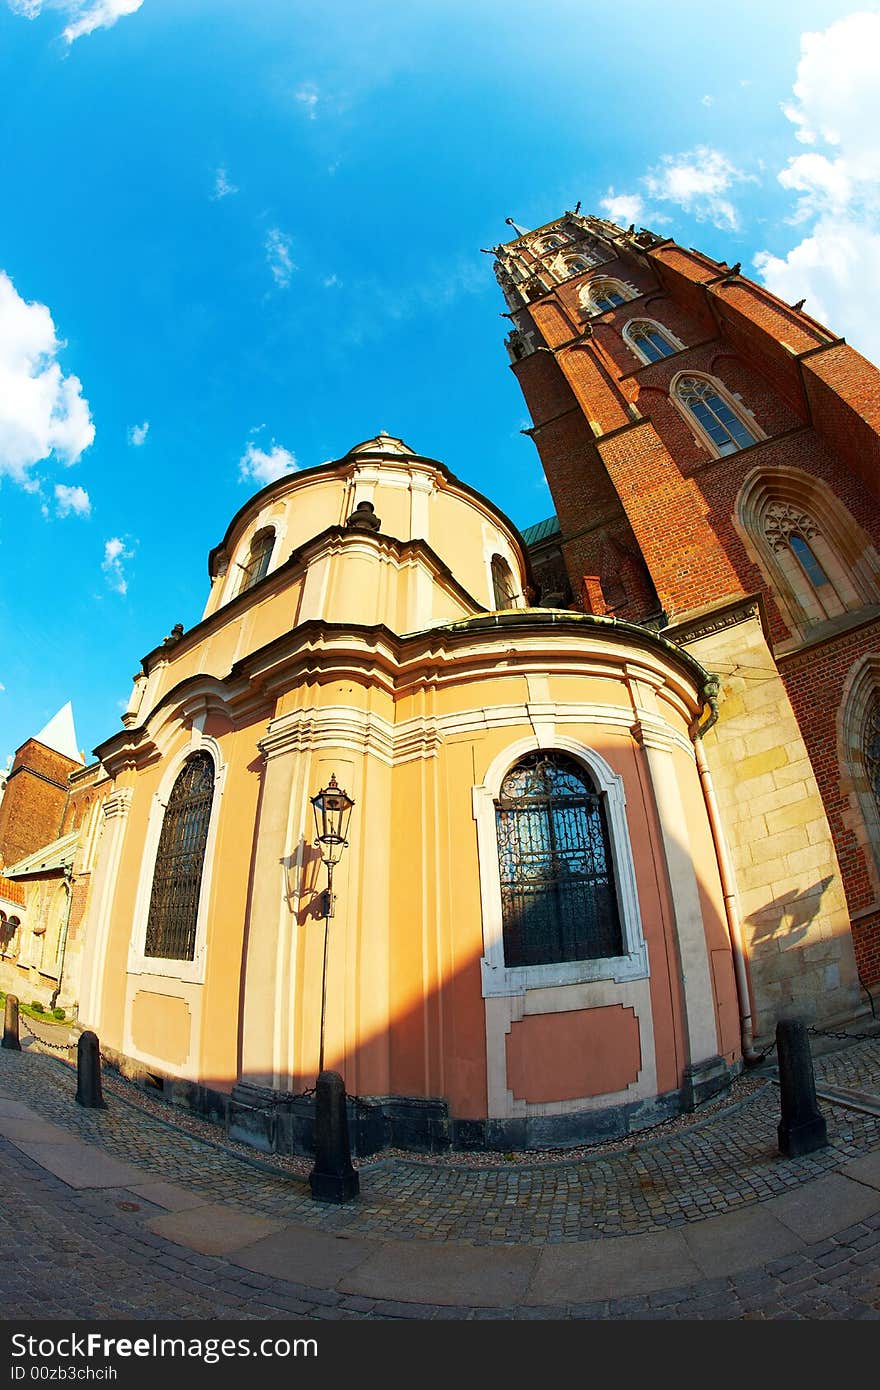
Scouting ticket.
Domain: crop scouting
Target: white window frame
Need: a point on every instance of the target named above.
(627, 332)
(189, 971)
(501, 979)
(586, 292)
(701, 435)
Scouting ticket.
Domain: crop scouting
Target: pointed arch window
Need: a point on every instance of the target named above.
(605, 294)
(649, 341)
(180, 860)
(719, 421)
(256, 565)
(558, 893)
(871, 748)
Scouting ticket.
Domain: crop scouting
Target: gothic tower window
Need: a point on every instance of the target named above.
(558, 894)
(256, 565)
(649, 340)
(871, 748)
(600, 295)
(719, 421)
(177, 876)
(817, 560)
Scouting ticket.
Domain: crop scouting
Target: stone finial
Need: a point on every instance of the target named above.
(363, 518)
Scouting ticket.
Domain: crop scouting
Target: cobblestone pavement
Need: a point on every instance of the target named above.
(86, 1254)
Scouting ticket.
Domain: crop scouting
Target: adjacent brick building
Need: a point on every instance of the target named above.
(713, 455)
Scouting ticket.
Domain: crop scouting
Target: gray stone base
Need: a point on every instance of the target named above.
(276, 1122)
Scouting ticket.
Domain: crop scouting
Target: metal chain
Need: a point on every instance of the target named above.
(56, 1047)
(848, 1037)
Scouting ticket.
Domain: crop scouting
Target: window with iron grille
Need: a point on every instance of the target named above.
(558, 895)
(177, 876)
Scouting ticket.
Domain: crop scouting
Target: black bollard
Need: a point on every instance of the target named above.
(10, 1024)
(88, 1073)
(801, 1129)
(333, 1179)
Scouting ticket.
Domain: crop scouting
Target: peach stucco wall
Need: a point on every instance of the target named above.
(410, 728)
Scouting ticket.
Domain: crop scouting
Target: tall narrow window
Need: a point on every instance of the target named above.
(558, 896)
(257, 563)
(649, 341)
(871, 748)
(503, 588)
(716, 417)
(177, 877)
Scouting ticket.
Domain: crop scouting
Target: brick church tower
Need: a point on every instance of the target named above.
(714, 459)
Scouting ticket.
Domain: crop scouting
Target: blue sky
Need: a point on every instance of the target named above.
(239, 237)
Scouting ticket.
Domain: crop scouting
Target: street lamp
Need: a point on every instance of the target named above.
(332, 808)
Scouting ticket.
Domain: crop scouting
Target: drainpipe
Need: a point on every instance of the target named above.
(725, 869)
(68, 876)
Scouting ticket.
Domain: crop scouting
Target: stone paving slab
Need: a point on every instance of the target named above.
(298, 1252)
(13, 1109)
(458, 1275)
(865, 1169)
(79, 1165)
(735, 1241)
(31, 1127)
(818, 1209)
(213, 1228)
(166, 1194)
(601, 1269)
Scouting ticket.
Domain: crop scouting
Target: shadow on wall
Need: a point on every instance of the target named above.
(787, 918)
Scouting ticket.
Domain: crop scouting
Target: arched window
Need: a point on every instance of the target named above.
(602, 293)
(575, 265)
(503, 587)
(177, 876)
(257, 563)
(649, 341)
(817, 560)
(871, 748)
(558, 895)
(719, 422)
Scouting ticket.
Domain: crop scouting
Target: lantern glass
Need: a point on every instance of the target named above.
(332, 807)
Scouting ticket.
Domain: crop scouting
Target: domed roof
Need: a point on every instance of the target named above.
(382, 443)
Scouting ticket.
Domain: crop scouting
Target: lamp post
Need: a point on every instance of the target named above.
(332, 808)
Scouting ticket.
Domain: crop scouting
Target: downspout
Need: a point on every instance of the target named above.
(725, 868)
(68, 876)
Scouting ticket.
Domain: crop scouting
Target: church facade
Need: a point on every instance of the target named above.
(613, 782)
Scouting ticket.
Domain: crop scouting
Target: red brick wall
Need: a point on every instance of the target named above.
(33, 804)
(653, 492)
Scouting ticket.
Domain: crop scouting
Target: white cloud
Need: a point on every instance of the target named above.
(29, 8)
(708, 101)
(138, 433)
(115, 552)
(278, 245)
(330, 281)
(222, 187)
(623, 208)
(836, 104)
(42, 412)
(72, 499)
(89, 15)
(307, 94)
(699, 181)
(264, 466)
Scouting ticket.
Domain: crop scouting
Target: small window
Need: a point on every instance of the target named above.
(802, 552)
(649, 341)
(177, 876)
(558, 895)
(715, 416)
(503, 587)
(257, 564)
